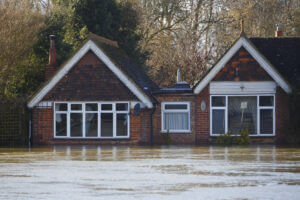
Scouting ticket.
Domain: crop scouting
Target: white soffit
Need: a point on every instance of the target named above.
(90, 45)
(256, 55)
(244, 87)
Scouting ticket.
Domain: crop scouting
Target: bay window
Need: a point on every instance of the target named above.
(234, 113)
(176, 117)
(91, 120)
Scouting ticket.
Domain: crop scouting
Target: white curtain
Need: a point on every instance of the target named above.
(176, 121)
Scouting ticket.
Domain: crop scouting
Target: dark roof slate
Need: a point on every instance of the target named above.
(125, 64)
(284, 54)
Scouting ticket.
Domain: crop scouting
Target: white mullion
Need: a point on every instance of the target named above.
(210, 116)
(114, 120)
(258, 115)
(99, 120)
(274, 116)
(68, 120)
(226, 114)
(83, 119)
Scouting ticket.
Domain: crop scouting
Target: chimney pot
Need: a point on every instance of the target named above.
(178, 76)
(278, 32)
(52, 66)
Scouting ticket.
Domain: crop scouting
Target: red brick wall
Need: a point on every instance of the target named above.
(202, 117)
(282, 115)
(248, 69)
(43, 130)
(90, 80)
(176, 138)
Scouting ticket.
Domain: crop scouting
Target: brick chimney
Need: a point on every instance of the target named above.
(278, 32)
(52, 66)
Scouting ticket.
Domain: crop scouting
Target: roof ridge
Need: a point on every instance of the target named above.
(282, 37)
(103, 39)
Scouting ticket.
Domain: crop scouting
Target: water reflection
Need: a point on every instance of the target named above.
(137, 172)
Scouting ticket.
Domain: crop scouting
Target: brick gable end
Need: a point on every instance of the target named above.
(90, 80)
(242, 67)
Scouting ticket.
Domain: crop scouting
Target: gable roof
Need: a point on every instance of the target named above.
(243, 41)
(283, 53)
(115, 59)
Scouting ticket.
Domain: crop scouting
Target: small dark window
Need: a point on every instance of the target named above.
(176, 106)
(91, 107)
(106, 107)
(122, 106)
(266, 101)
(61, 107)
(218, 101)
(76, 107)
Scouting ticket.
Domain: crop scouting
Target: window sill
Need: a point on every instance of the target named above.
(266, 135)
(177, 132)
(90, 138)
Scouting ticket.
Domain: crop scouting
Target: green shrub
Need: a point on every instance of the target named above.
(227, 139)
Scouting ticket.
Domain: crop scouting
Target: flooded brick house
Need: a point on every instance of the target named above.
(99, 96)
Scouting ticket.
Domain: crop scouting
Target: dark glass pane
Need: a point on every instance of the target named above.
(176, 107)
(218, 101)
(76, 124)
(122, 124)
(76, 107)
(61, 124)
(266, 121)
(91, 107)
(106, 124)
(242, 113)
(106, 106)
(61, 107)
(91, 125)
(218, 121)
(122, 106)
(266, 101)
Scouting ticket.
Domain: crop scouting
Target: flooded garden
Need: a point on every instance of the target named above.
(94, 172)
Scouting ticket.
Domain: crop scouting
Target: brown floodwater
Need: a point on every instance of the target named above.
(94, 172)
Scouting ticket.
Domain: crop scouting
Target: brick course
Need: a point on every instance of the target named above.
(176, 138)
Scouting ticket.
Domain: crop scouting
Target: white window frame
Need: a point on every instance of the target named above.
(259, 134)
(163, 111)
(99, 112)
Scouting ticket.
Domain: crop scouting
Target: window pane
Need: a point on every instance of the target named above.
(242, 113)
(91, 125)
(61, 124)
(91, 107)
(76, 125)
(76, 107)
(218, 121)
(106, 106)
(106, 124)
(176, 121)
(122, 106)
(61, 107)
(266, 121)
(266, 101)
(122, 124)
(176, 106)
(218, 101)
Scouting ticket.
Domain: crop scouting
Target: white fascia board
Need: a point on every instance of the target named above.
(242, 87)
(253, 52)
(90, 45)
